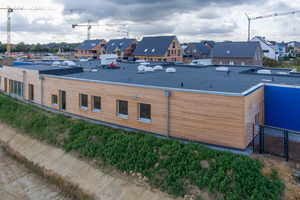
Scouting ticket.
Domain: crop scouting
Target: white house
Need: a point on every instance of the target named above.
(269, 50)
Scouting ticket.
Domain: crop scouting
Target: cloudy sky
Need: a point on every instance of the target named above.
(189, 20)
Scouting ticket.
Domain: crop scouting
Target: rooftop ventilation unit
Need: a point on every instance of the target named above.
(141, 68)
(170, 70)
(293, 70)
(222, 69)
(149, 69)
(264, 71)
(94, 70)
(158, 67)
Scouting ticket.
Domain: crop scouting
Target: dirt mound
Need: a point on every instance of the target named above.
(7, 61)
(292, 189)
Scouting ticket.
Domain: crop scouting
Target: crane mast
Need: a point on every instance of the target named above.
(266, 16)
(10, 10)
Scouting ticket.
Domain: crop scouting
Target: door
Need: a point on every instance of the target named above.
(5, 84)
(63, 100)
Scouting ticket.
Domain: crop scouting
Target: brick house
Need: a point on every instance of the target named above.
(121, 47)
(197, 51)
(209, 44)
(89, 48)
(159, 48)
(237, 53)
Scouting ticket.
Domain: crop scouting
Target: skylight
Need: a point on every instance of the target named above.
(121, 43)
(145, 50)
(153, 50)
(112, 44)
(228, 51)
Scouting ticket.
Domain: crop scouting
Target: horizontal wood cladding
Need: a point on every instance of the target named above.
(213, 119)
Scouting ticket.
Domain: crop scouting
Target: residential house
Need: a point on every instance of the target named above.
(197, 51)
(296, 46)
(159, 48)
(121, 47)
(283, 50)
(237, 53)
(89, 48)
(209, 44)
(269, 50)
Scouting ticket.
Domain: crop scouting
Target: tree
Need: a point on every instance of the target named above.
(37, 47)
(3, 48)
(21, 47)
(63, 43)
(268, 62)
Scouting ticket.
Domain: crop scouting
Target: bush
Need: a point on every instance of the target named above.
(268, 62)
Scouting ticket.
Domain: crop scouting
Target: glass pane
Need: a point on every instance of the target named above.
(123, 107)
(97, 103)
(145, 112)
(19, 89)
(54, 99)
(84, 100)
(15, 88)
(63, 100)
(31, 92)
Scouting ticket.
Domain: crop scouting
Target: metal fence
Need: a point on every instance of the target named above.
(276, 141)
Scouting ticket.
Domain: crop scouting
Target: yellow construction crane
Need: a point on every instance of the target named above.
(122, 31)
(89, 26)
(10, 10)
(266, 16)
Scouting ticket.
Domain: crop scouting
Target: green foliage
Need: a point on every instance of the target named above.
(168, 163)
(268, 62)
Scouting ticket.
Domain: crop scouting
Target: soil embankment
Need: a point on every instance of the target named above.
(74, 176)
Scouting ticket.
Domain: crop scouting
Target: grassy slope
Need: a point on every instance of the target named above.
(169, 164)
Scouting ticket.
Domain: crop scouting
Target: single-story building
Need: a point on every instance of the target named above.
(204, 104)
(237, 53)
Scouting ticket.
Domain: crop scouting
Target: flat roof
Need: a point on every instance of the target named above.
(204, 79)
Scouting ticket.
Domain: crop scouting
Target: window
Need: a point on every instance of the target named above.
(31, 92)
(151, 59)
(194, 50)
(168, 52)
(220, 62)
(266, 51)
(16, 88)
(172, 52)
(178, 53)
(54, 100)
(145, 113)
(256, 121)
(123, 109)
(83, 101)
(188, 51)
(0, 80)
(96, 104)
(173, 45)
(255, 55)
(243, 63)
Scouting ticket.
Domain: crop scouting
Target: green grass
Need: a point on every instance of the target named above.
(169, 164)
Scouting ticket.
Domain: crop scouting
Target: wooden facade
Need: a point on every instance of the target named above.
(209, 118)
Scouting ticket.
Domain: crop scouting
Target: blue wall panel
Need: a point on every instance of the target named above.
(282, 107)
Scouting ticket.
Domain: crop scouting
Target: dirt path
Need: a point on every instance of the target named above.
(18, 182)
(74, 176)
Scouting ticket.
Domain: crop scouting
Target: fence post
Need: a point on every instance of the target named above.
(287, 146)
(253, 136)
(260, 139)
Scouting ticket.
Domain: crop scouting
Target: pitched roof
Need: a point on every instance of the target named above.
(235, 49)
(121, 43)
(201, 47)
(262, 39)
(153, 45)
(211, 43)
(88, 44)
(296, 44)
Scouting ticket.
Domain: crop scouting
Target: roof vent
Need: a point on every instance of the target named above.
(170, 70)
(149, 69)
(158, 67)
(222, 69)
(264, 71)
(141, 68)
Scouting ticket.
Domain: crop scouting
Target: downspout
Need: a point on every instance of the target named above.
(23, 84)
(167, 94)
(41, 78)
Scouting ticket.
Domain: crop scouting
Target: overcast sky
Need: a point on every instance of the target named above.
(189, 20)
